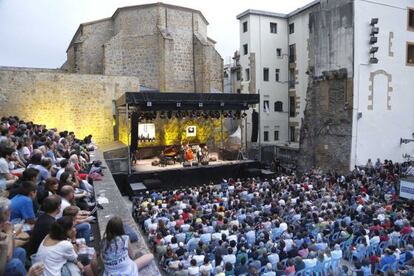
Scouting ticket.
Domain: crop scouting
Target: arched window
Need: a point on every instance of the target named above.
(278, 106)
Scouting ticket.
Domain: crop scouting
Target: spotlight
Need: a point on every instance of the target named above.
(169, 114)
(217, 115)
(225, 114)
(244, 115)
(154, 115)
(162, 115)
(237, 115)
(198, 114)
(204, 115)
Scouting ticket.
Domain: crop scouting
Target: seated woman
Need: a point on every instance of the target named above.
(57, 252)
(116, 252)
(83, 228)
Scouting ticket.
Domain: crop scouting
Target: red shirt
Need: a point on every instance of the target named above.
(406, 230)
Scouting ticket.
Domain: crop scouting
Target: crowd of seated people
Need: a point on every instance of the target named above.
(318, 224)
(46, 200)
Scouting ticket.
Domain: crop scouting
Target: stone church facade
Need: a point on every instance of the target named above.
(165, 46)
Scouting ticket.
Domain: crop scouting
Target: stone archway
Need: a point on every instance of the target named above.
(371, 88)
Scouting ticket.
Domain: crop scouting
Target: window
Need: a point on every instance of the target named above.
(238, 91)
(279, 52)
(266, 136)
(245, 49)
(278, 106)
(247, 71)
(292, 134)
(244, 27)
(291, 28)
(75, 58)
(291, 81)
(292, 53)
(277, 73)
(273, 28)
(292, 106)
(238, 77)
(410, 53)
(265, 74)
(276, 135)
(266, 106)
(411, 19)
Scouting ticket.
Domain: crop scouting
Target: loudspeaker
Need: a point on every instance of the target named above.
(134, 132)
(195, 164)
(213, 159)
(186, 164)
(170, 162)
(255, 126)
(155, 162)
(204, 162)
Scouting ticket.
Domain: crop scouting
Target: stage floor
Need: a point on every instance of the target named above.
(144, 166)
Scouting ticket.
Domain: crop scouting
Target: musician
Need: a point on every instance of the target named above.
(204, 153)
(198, 153)
(188, 156)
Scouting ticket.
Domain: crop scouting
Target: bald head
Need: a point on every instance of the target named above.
(67, 192)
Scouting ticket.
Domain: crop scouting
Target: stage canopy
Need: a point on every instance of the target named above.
(165, 101)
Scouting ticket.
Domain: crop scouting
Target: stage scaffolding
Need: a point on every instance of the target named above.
(129, 105)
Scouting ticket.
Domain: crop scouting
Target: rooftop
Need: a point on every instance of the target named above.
(160, 4)
(275, 14)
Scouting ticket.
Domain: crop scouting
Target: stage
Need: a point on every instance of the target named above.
(145, 166)
(180, 126)
(177, 176)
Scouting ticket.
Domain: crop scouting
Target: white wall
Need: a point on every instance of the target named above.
(264, 44)
(377, 133)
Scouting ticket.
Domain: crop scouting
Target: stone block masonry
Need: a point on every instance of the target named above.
(165, 46)
(78, 102)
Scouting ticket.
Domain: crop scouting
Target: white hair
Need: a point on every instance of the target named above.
(4, 206)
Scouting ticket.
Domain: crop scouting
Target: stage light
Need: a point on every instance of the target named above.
(244, 115)
(217, 115)
(169, 114)
(162, 115)
(225, 114)
(198, 114)
(205, 115)
(154, 115)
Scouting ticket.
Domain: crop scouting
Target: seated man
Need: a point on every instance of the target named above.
(22, 203)
(51, 207)
(12, 258)
(6, 178)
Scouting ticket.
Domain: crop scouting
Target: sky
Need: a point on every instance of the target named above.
(36, 33)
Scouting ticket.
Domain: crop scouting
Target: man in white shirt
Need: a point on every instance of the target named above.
(230, 257)
(6, 178)
(68, 194)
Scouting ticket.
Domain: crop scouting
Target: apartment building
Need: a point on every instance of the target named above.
(335, 80)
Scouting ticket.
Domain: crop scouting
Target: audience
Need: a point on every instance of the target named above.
(282, 226)
(31, 199)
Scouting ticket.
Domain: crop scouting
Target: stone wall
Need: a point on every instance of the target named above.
(78, 102)
(326, 132)
(154, 42)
